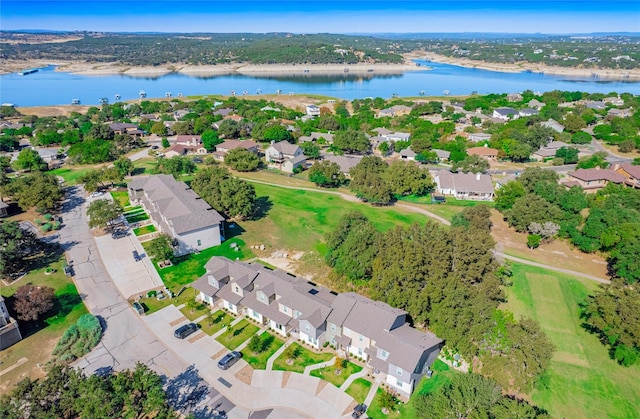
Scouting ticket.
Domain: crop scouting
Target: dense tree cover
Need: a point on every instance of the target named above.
(225, 193)
(176, 166)
(99, 178)
(473, 396)
(124, 166)
(17, 244)
(161, 248)
(351, 141)
(67, 393)
(597, 159)
(407, 179)
(473, 164)
(569, 155)
(91, 152)
(29, 160)
(445, 278)
(102, 212)
(352, 245)
(79, 339)
(39, 190)
(613, 313)
(30, 302)
(242, 160)
(326, 174)
(210, 139)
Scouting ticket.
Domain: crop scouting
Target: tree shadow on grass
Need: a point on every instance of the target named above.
(262, 206)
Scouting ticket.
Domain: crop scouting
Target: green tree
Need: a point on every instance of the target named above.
(17, 245)
(581, 137)
(158, 128)
(407, 179)
(101, 212)
(242, 160)
(473, 164)
(367, 182)
(519, 152)
(39, 190)
(507, 194)
(310, 150)
(326, 174)
(597, 159)
(176, 166)
(124, 166)
(29, 160)
(351, 141)
(161, 248)
(165, 143)
(210, 140)
(277, 133)
(569, 155)
(532, 177)
(573, 123)
(532, 209)
(224, 193)
(229, 129)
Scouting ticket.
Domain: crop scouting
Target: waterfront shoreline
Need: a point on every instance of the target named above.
(573, 72)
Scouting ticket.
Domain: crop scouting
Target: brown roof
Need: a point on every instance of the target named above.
(589, 175)
(634, 171)
(482, 151)
(233, 144)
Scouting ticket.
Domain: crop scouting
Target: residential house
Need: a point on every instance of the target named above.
(315, 136)
(479, 137)
(121, 128)
(396, 110)
(464, 185)
(149, 116)
(353, 324)
(536, 104)
(188, 140)
(223, 148)
(382, 132)
(528, 112)
(270, 109)
(504, 180)
(630, 172)
(386, 113)
(553, 124)
(595, 104)
(505, 114)
(486, 152)
(548, 151)
(178, 211)
(312, 110)
(223, 112)
(514, 97)
(614, 100)
(620, 113)
(181, 150)
(346, 163)
(398, 136)
(592, 180)
(9, 331)
(284, 156)
(442, 154)
(408, 154)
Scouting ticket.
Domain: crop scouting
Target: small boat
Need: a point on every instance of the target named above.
(306, 70)
(258, 92)
(168, 94)
(142, 93)
(421, 92)
(370, 70)
(290, 93)
(395, 95)
(278, 92)
(233, 93)
(103, 100)
(346, 69)
(117, 96)
(179, 94)
(29, 71)
(446, 92)
(75, 101)
(244, 93)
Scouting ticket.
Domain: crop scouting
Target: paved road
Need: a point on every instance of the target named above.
(414, 208)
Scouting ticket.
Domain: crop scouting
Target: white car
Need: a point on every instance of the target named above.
(96, 194)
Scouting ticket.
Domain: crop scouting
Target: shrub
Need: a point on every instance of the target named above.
(78, 339)
(46, 227)
(56, 225)
(533, 241)
(48, 217)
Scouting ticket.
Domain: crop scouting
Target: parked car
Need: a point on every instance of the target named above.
(136, 256)
(118, 234)
(229, 359)
(184, 331)
(359, 410)
(96, 194)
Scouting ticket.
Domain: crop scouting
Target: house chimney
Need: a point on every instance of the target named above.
(478, 176)
(273, 142)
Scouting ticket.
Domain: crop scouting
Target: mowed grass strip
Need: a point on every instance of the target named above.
(233, 337)
(582, 381)
(299, 219)
(304, 359)
(141, 231)
(259, 361)
(359, 389)
(329, 373)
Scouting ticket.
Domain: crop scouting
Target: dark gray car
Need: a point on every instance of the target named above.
(229, 359)
(184, 331)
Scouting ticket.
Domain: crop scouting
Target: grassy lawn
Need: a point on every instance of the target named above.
(329, 373)
(191, 267)
(137, 217)
(220, 320)
(144, 165)
(39, 340)
(583, 381)
(70, 174)
(199, 311)
(121, 197)
(359, 389)
(240, 332)
(140, 231)
(129, 210)
(259, 361)
(299, 219)
(152, 304)
(304, 359)
(447, 210)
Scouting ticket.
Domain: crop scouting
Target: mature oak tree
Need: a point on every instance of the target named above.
(102, 211)
(30, 301)
(15, 245)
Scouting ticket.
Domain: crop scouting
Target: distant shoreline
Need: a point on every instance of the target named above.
(632, 75)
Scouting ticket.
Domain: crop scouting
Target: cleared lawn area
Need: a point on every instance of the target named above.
(299, 219)
(583, 381)
(359, 389)
(152, 304)
(240, 332)
(304, 359)
(219, 320)
(70, 174)
(259, 361)
(121, 197)
(39, 340)
(329, 373)
(191, 267)
(144, 165)
(140, 231)
(199, 311)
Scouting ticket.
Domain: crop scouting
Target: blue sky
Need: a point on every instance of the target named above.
(348, 16)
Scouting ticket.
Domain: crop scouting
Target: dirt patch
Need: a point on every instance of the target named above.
(178, 321)
(197, 337)
(285, 378)
(321, 385)
(44, 111)
(245, 375)
(219, 354)
(350, 408)
(558, 253)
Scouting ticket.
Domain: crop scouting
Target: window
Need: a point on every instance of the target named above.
(261, 296)
(254, 313)
(399, 371)
(307, 328)
(296, 314)
(361, 338)
(399, 382)
(333, 327)
(359, 351)
(285, 309)
(333, 341)
(384, 354)
(199, 243)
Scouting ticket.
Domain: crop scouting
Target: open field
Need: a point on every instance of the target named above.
(583, 382)
(39, 341)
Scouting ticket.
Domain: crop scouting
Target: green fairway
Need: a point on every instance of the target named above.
(299, 219)
(583, 382)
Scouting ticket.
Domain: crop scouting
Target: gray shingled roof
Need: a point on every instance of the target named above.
(344, 162)
(406, 345)
(285, 147)
(359, 319)
(178, 204)
(465, 182)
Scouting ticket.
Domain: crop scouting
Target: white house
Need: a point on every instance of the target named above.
(312, 110)
(472, 186)
(284, 156)
(505, 114)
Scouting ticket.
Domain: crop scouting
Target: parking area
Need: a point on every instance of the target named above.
(128, 265)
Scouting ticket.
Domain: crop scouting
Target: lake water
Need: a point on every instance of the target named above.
(48, 87)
